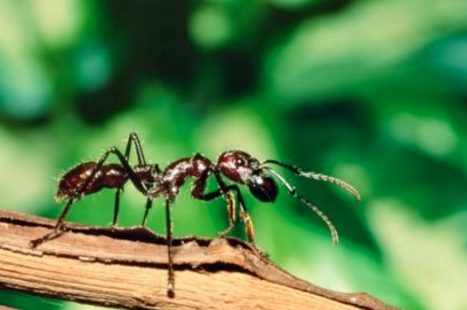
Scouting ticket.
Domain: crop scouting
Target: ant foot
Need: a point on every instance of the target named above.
(34, 243)
(258, 250)
(47, 237)
(170, 291)
(222, 235)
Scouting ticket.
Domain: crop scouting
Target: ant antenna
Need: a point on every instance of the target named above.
(318, 211)
(317, 176)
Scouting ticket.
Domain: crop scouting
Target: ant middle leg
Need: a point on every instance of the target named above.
(133, 139)
(146, 211)
(118, 194)
(127, 168)
(171, 274)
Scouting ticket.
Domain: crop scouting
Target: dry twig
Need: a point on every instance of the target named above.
(127, 268)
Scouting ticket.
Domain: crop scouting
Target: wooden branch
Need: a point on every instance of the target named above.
(127, 268)
(7, 308)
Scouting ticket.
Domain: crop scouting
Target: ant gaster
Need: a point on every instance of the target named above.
(237, 166)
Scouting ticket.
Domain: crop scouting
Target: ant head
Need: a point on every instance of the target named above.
(242, 168)
(263, 187)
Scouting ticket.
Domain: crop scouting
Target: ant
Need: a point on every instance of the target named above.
(235, 165)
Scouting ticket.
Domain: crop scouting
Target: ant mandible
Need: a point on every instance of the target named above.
(237, 166)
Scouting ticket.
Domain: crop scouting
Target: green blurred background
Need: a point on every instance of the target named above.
(373, 92)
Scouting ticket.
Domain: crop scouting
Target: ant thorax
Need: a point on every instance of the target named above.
(176, 174)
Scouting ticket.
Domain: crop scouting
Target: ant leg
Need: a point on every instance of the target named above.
(171, 276)
(249, 229)
(116, 207)
(197, 191)
(146, 211)
(245, 216)
(132, 139)
(230, 214)
(133, 177)
(125, 164)
(230, 207)
(57, 230)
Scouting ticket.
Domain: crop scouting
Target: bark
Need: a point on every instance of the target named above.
(127, 268)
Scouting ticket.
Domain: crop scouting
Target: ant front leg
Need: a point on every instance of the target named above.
(198, 190)
(226, 190)
(231, 214)
(245, 217)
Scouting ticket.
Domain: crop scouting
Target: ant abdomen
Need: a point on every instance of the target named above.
(110, 176)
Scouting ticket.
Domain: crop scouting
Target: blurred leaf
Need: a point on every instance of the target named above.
(295, 4)
(372, 92)
(341, 53)
(210, 27)
(429, 259)
(26, 182)
(58, 22)
(25, 89)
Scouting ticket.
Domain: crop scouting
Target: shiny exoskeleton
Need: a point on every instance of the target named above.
(107, 176)
(92, 176)
(237, 166)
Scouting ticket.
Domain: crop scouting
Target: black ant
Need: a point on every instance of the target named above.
(235, 165)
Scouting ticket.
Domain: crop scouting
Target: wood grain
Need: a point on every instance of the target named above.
(127, 268)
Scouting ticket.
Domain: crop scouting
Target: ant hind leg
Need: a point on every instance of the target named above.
(57, 230)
